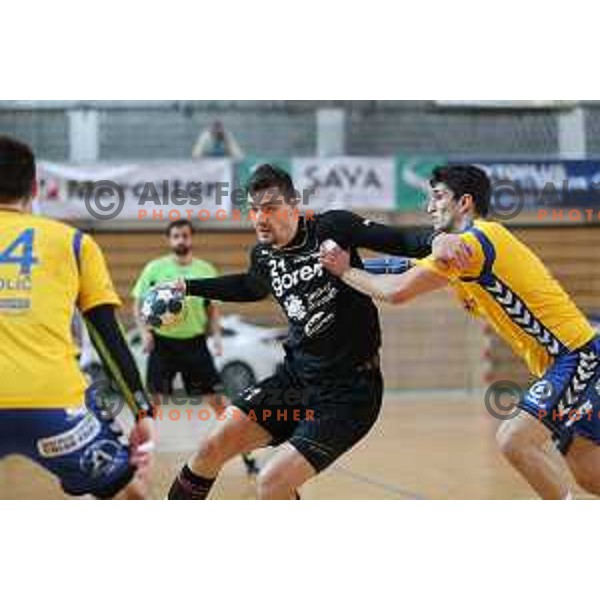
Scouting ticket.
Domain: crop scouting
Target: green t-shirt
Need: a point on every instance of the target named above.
(167, 269)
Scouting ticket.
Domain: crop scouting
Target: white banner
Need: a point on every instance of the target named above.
(346, 182)
(153, 191)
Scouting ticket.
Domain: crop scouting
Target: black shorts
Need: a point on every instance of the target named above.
(323, 419)
(189, 357)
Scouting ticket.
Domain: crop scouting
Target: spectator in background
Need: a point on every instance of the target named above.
(216, 142)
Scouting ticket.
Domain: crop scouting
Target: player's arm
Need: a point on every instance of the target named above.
(98, 302)
(251, 286)
(394, 289)
(428, 275)
(242, 287)
(349, 229)
(107, 336)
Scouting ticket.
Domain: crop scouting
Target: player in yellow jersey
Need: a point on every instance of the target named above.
(47, 271)
(508, 285)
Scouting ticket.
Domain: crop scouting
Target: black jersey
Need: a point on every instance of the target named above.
(332, 327)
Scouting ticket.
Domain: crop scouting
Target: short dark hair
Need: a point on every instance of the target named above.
(177, 224)
(466, 179)
(17, 169)
(267, 176)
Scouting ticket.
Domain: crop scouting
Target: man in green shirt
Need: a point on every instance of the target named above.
(181, 348)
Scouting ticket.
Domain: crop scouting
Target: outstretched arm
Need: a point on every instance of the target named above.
(242, 287)
(349, 229)
(394, 289)
(251, 286)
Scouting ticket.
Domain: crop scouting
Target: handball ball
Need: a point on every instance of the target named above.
(162, 307)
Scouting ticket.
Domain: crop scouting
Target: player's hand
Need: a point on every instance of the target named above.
(148, 342)
(178, 285)
(142, 441)
(449, 248)
(333, 258)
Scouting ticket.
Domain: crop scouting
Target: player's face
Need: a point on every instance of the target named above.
(442, 208)
(274, 219)
(180, 240)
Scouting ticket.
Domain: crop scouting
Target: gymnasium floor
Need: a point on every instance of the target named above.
(426, 445)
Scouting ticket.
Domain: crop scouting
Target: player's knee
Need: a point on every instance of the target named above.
(273, 484)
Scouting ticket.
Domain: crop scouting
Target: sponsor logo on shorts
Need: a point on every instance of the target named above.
(100, 459)
(540, 391)
(72, 440)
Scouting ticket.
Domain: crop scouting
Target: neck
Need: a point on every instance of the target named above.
(291, 234)
(463, 223)
(184, 260)
(13, 207)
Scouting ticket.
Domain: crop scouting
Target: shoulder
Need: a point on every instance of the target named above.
(260, 251)
(332, 221)
(487, 235)
(487, 228)
(201, 265)
(51, 226)
(260, 255)
(335, 217)
(156, 264)
(339, 225)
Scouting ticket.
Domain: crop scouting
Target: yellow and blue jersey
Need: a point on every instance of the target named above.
(509, 286)
(47, 269)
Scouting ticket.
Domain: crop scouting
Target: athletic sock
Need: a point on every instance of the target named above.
(189, 486)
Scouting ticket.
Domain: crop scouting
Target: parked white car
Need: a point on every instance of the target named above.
(250, 353)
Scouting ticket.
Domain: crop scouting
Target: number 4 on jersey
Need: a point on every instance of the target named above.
(20, 252)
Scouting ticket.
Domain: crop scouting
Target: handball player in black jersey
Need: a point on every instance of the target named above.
(327, 395)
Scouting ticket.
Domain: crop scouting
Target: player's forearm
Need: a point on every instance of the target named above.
(379, 287)
(108, 339)
(229, 288)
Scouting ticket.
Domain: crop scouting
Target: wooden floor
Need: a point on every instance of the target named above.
(426, 445)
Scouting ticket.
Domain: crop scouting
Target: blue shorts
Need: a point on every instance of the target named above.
(85, 448)
(567, 398)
